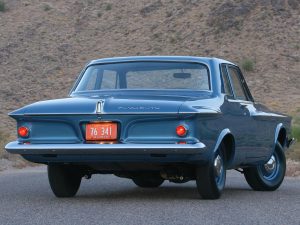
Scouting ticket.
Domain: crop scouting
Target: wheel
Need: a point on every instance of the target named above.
(210, 178)
(148, 180)
(64, 180)
(269, 176)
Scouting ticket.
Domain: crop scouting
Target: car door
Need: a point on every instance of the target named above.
(243, 124)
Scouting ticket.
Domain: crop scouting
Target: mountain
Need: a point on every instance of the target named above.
(44, 44)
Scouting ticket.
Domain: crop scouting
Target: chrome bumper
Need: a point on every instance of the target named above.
(74, 149)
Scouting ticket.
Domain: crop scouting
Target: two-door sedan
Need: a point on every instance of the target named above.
(152, 119)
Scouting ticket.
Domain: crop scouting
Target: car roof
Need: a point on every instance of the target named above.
(206, 60)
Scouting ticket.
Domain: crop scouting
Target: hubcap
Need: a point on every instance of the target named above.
(270, 170)
(271, 164)
(218, 165)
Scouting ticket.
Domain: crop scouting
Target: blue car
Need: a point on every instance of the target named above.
(152, 119)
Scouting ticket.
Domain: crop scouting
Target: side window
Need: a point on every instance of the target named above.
(225, 81)
(109, 79)
(90, 85)
(236, 83)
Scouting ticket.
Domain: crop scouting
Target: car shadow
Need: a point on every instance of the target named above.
(153, 194)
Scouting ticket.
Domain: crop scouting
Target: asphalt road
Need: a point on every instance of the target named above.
(26, 198)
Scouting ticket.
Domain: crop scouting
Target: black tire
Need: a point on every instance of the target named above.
(64, 180)
(260, 179)
(211, 183)
(148, 180)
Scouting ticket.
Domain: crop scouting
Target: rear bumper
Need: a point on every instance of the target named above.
(104, 149)
(109, 153)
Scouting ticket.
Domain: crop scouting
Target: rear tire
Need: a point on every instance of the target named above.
(269, 176)
(64, 180)
(210, 178)
(148, 180)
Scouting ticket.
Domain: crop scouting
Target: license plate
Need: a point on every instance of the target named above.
(101, 131)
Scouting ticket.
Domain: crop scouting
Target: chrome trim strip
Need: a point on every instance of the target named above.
(94, 62)
(17, 148)
(120, 113)
(240, 101)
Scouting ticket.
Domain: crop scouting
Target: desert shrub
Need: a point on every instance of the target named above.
(46, 7)
(108, 7)
(152, 7)
(248, 65)
(296, 127)
(172, 40)
(2, 6)
(296, 132)
(294, 152)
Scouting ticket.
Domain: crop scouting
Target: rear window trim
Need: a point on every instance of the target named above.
(153, 61)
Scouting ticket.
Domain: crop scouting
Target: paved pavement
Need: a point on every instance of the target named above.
(26, 198)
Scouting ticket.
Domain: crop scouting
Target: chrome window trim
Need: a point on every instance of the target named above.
(130, 61)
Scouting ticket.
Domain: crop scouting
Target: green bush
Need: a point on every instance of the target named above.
(296, 132)
(108, 7)
(296, 127)
(47, 7)
(248, 65)
(294, 151)
(2, 6)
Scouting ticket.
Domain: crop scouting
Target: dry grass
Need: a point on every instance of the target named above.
(4, 138)
(294, 152)
(7, 160)
(293, 168)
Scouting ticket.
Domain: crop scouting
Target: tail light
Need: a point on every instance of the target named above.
(23, 131)
(181, 130)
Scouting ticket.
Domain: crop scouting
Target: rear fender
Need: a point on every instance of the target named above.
(220, 138)
(279, 127)
(276, 135)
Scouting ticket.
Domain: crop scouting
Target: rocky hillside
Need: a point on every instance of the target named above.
(44, 44)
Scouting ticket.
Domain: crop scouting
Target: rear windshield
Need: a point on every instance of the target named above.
(145, 75)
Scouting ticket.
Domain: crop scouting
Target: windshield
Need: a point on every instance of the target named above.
(145, 75)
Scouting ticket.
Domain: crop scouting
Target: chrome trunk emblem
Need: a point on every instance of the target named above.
(99, 107)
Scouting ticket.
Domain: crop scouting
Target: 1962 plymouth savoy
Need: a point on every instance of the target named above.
(152, 119)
